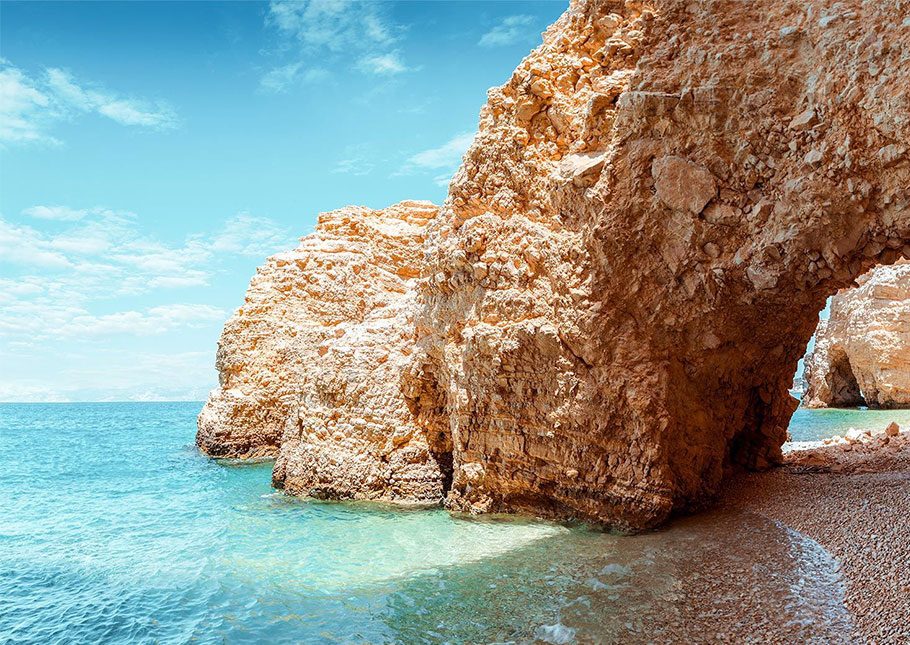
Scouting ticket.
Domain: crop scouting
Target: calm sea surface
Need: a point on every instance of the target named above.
(114, 529)
(812, 425)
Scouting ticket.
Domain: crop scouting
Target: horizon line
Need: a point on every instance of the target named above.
(119, 401)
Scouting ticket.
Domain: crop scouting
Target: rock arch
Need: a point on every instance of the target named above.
(631, 260)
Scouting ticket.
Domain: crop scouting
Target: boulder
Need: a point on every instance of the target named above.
(681, 184)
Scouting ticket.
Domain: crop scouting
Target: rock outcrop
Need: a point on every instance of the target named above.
(613, 298)
(310, 364)
(862, 352)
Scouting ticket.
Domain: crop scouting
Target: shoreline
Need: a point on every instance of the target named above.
(854, 500)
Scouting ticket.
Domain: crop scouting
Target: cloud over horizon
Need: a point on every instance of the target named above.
(60, 275)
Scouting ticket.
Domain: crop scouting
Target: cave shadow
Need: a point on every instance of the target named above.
(841, 379)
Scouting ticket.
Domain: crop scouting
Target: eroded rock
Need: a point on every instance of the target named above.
(862, 352)
(613, 299)
(311, 364)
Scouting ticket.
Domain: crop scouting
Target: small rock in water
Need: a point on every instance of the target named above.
(893, 429)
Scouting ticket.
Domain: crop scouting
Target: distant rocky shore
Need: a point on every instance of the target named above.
(862, 352)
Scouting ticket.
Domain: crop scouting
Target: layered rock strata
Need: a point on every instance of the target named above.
(629, 265)
(862, 352)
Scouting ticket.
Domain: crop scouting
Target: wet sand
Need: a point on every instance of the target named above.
(854, 500)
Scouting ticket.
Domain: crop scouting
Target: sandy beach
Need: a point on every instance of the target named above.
(854, 500)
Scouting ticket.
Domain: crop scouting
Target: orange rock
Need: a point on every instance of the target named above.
(862, 352)
(630, 355)
(310, 367)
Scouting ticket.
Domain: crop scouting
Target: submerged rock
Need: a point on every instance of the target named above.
(612, 300)
(862, 352)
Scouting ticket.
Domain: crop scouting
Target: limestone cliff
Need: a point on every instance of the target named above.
(310, 364)
(613, 299)
(862, 352)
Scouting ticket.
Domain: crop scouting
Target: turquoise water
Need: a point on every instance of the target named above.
(813, 425)
(114, 529)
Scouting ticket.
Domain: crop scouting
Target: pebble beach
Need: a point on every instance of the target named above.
(853, 498)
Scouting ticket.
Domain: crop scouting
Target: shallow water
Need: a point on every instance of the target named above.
(114, 529)
(813, 425)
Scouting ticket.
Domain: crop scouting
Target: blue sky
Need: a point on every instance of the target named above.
(153, 154)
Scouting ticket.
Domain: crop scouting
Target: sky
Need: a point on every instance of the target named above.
(152, 155)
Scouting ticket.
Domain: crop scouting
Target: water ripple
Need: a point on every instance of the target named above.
(115, 530)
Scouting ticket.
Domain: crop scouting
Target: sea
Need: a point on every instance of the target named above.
(115, 529)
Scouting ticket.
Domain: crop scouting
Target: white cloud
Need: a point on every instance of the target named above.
(85, 295)
(106, 241)
(29, 107)
(334, 30)
(387, 64)
(18, 392)
(62, 213)
(336, 25)
(357, 166)
(443, 180)
(75, 248)
(508, 31)
(87, 311)
(446, 158)
(24, 245)
(282, 78)
(122, 110)
(156, 320)
(24, 109)
(247, 234)
(51, 279)
(359, 160)
(448, 155)
(47, 320)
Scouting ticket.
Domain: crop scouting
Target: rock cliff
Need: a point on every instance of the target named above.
(310, 365)
(612, 300)
(862, 352)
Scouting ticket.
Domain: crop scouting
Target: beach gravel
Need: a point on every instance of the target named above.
(856, 504)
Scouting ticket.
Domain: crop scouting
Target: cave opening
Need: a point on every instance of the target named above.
(426, 400)
(841, 380)
(441, 451)
(853, 378)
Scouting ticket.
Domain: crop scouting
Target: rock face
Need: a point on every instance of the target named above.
(862, 352)
(310, 364)
(613, 298)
